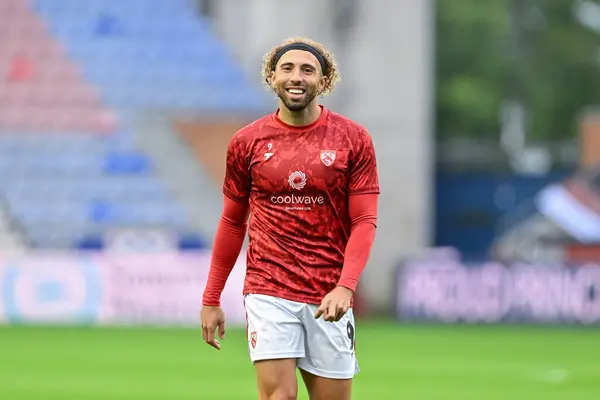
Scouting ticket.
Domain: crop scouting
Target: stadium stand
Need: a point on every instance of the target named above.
(71, 72)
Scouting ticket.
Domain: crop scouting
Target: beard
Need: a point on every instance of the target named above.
(296, 104)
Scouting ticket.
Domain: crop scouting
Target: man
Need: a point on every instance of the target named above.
(308, 179)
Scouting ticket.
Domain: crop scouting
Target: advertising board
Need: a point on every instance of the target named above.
(448, 291)
(75, 288)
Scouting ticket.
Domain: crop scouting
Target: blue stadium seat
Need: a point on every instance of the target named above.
(145, 213)
(192, 242)
(127, 163)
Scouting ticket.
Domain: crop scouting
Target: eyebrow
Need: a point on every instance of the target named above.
(291, 64)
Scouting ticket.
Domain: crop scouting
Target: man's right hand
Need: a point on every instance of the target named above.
(212, 318)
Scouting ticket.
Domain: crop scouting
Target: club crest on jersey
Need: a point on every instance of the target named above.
(327, 157)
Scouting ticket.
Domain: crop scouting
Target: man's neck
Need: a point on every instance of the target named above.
(300, 118)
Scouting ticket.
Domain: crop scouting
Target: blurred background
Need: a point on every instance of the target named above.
(115, 116)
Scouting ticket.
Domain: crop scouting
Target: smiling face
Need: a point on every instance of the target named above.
(297, 79)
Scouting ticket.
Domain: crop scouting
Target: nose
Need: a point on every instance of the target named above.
(296, 76)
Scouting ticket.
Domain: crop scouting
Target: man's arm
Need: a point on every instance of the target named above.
(363, 217)
(232, 225)
(362, 206)
(226, 249)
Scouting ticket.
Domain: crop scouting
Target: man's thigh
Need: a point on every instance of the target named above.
(320, 388)
(276, 379)
(274, 329)
(329, 346)
(275, 342)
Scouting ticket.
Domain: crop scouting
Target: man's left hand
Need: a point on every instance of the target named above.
(335, 304)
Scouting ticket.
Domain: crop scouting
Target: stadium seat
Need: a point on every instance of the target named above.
(156, 56)
(127, 163)
(60, 186)
(68, 70)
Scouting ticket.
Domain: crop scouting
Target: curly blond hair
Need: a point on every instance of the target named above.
(333, 74)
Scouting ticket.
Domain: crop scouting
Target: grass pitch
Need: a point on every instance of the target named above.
(397, 362)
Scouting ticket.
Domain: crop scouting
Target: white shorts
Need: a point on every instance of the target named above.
(279, 328)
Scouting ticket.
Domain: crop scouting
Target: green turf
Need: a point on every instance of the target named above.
(397, 362)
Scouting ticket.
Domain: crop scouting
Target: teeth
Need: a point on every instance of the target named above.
(296, 91)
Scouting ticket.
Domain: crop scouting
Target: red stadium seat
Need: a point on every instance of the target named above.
(20, 69)
(42, 89)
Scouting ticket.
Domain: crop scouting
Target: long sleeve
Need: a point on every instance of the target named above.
(226, 249)
(363, 216)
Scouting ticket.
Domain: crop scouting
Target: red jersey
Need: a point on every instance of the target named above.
(297, 181)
